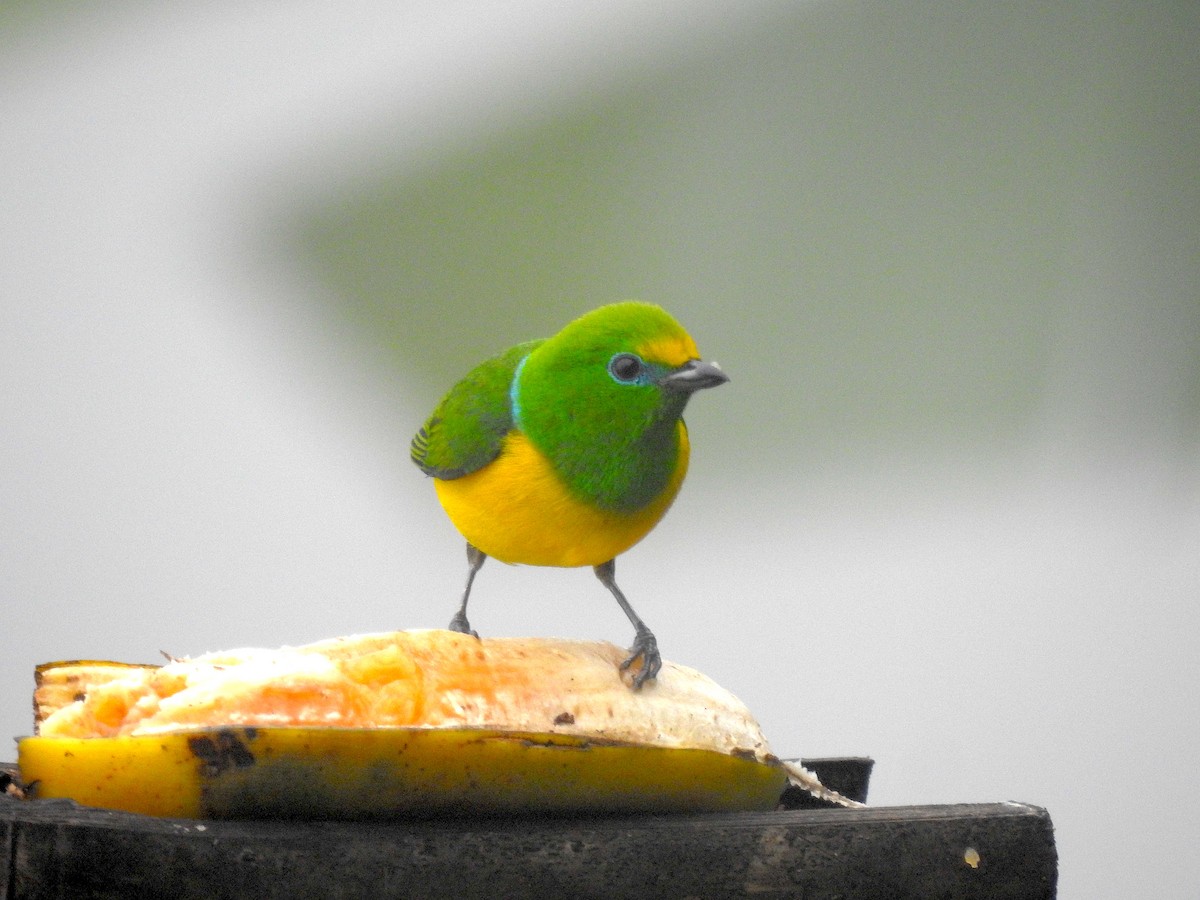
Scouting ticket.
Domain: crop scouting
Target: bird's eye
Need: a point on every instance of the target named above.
(625, 367)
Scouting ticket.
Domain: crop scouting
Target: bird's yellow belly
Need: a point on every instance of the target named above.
(517, 510)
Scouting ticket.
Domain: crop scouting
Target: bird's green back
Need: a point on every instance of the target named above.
(466, 430)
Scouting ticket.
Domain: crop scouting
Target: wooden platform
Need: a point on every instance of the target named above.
(57, 849)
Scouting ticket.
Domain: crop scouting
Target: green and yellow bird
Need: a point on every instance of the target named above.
(567, 451)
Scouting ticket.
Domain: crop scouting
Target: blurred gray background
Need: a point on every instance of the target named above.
(946, 514)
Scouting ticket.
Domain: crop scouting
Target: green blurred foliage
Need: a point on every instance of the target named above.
(865, 217)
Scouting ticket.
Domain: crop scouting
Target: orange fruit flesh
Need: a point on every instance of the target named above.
(429, 679)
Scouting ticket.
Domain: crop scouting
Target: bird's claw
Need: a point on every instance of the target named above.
(460, 624)
(645, 648)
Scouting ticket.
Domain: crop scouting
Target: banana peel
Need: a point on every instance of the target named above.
(324, 773)
(401, 724)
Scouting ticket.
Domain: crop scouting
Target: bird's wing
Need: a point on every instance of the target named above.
(467, 429)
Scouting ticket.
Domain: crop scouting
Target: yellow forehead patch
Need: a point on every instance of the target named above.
(671, 350)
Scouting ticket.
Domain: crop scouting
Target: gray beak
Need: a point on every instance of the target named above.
(693, 375)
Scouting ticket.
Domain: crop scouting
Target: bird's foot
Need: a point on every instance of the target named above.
(460, 624)
(645, 648)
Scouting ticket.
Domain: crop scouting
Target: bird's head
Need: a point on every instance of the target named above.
(611, 375)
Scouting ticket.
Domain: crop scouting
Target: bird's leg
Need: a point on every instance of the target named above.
(645, 646)
(475, 558)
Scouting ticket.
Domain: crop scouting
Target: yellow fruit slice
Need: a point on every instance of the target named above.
(400, 723)
(382, 773)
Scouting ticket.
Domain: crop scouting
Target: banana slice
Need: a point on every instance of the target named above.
(398, 724)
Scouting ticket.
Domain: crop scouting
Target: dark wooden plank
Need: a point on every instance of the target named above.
(56, 849)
